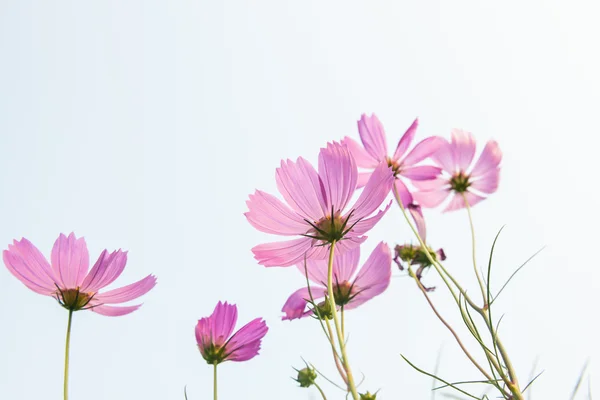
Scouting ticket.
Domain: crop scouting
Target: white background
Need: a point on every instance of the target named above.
(144, 125)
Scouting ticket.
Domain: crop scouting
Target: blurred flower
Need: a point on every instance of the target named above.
(416, 255)
(457, 177)
(403, 162)
(67, 278)
(350, 289)
(215, 339)
(316, 208)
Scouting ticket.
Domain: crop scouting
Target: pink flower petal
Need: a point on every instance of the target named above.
(338, 173)
(487, 183)
(417, 215)
(376, 190)
(363, 178)
(431, 199)
(112, 311)
(405, 195)
(424, 149)
(489, 159)
(458, 202)
(444, 157)
(438, 183)
(300, 186)
(315, 270)
(283, 254)
(127, 293)
(421, 173)
(344, 264)
(372, 136)
(362, 158)
(295, 306)
(106, 270)
(268, 214)
(406, 140)
(463, 145)
(245, 343)
(70, 260)
(366, 224)
(28, 265)
(374, 276)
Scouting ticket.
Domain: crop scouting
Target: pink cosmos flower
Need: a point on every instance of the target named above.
(403, 162)
(67, 278)
(458, 177)
(215, 339)
(317, 207)
(350, 288)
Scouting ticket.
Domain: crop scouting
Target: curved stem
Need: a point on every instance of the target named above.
(215, 381)
(67, 347)
(320, 391)
(336, 321)
(479, 280)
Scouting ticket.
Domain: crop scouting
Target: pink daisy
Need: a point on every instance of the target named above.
(215, 339)
(317, 207)
(67, 278)
(458, 177)
(403, 162)
(350, 288)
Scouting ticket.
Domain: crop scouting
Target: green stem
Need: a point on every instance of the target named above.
(336, 357)
(320, 391)
(67, 346)
(479, 280)
(215, 381)
(336, 321)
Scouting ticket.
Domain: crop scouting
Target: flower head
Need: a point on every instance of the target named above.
(458, 178)
(403, 162)
(306, 377)
(417, 255)
(215, 339)
(317, 207)
(67, 279)
(350, 288)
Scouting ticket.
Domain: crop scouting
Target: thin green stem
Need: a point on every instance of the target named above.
(336, 357)
(215, 381)
(343, 329)
(320, 391)
(67, 347)
(336, 321)
(479, 280)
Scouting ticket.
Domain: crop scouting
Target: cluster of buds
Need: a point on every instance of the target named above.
(416, 255)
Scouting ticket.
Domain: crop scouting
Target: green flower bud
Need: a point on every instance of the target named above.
(323, 310)
(368, 396)
(306, 377)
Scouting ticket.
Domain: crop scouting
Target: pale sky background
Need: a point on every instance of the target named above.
(144, 125)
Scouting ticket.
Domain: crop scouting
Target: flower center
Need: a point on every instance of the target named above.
(73, 299)
(214, 354)
(460, 182)
(396, 166)
(329, 228)
(342, 292)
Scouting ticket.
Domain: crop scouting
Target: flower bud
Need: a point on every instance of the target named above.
(306, 377)
(323, 310)
(368, 396)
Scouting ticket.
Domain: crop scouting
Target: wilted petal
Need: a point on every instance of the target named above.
(362, 158)
(463, 145)
(300, 186)
(372, 136)
(489, 159)
(268, 214)
(417, 215)
(406, 140)
(338, 173)
(70, 260)
(405, 195)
